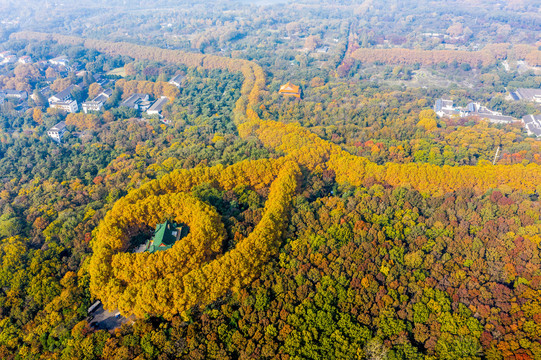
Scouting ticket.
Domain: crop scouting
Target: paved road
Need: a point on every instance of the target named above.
(106, 320)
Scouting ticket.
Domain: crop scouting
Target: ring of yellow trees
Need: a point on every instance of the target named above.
(193, 271)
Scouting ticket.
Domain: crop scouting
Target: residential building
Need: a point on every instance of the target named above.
(290, 90)
(46, 91)
(15, 94)
(533, 95)
(63, 95)
(165, 236)
(445, 108)
(177, 80)
(137, 101)
(476, 109)
(532, 123)
(60, 61)
(9, 59)
(3, 54)
(69, 106)
(25, 59)
(97, 103)
(57, 132)
(157, 107)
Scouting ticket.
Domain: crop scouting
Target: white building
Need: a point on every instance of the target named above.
(60, 61)
(97, 103)
(25, 59)
(137, 101)
(57, 132)
(15, 94)
(9, 59)
(69, 106)
(157, 107)
(64, 95)
(177, 80)
(532, 123)
(445, 108)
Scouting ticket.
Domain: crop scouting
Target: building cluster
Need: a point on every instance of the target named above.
(531, 123)
(66, 101)
(446, 108)
(6, 57)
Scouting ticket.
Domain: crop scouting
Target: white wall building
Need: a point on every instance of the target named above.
(57, 132)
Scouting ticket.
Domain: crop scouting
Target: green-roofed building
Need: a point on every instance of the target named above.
(165, 236)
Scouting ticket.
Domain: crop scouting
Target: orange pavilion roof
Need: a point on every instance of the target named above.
(289, 88)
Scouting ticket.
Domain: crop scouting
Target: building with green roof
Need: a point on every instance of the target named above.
(165, 236)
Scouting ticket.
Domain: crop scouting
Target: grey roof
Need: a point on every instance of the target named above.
(102, 97)
(442, 104)
(177, 79)
(493, 117)
(14, 93)
(533, 124)
(66, 93)
(158, 105)
(133, 99)
(62, 103)
(58, 127)
(528, 94)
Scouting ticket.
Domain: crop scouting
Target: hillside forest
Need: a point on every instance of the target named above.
(351, 223)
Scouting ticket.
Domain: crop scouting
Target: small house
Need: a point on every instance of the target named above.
(532, 123)
(57, 132)
(136, 101)
(165, 236)
(157, 107)
(25, 59)
(97, 103)
(177, 80)
(15, 94)
(59, 61)
(290, 90)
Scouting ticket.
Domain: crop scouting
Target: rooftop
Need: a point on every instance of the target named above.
(289, 87)
(528, 93)
(165, 236)
(177, 79)
(158, 105)
(532, 124)
(58, 127)
(64, 93)
(133, 99)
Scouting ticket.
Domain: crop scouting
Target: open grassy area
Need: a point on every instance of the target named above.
(118, 71)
